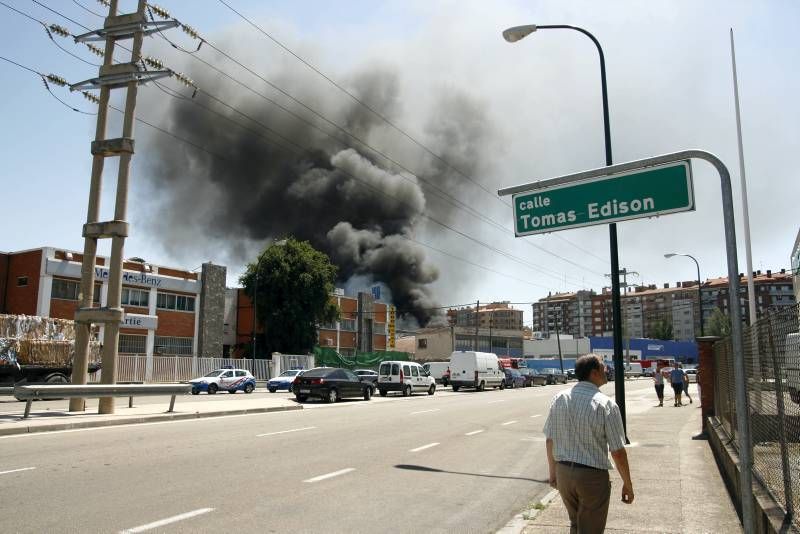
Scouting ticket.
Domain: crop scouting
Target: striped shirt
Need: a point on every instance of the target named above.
(584, 425)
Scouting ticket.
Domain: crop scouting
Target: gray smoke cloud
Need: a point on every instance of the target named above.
(347, 200)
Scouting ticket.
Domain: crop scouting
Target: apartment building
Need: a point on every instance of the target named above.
(569, 313)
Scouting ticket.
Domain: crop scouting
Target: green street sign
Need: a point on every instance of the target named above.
(631, 195)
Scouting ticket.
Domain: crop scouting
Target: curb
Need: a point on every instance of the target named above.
(523, 519)
(140, 419)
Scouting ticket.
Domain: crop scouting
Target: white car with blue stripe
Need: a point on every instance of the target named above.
(283, 380)
(230, 380)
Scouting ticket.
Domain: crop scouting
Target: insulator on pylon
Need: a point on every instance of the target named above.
(191, 32)
(154, 63)
(185, 80)
(58, 80)
(160, 11)
(60, 30)
(89, 96)
(95, 50)
(104, 2)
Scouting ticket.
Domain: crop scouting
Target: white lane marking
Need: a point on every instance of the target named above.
(285, 431)
(508, 423)
(16, 470)
(537, 439)
(331, 475)
(537, 415)
(494, 401)
(473, 432)
(167, 521)
(425, 411)
(122, 427)
(428, 446)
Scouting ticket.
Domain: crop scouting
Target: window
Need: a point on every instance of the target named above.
(22, 281)
(132, 344)
(414, 371)
(406, 370)
(168, 301)
(135, 297)
(241, 373)
(70, 290)
(348, 324)
(174, 345)
(422, 343)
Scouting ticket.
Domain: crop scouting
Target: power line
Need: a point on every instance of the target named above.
(362, 142)
(189, 30)
(378, 114)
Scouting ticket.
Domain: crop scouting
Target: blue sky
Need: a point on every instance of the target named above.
(669, 87)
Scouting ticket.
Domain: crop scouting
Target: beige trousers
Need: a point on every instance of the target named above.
(586, 494)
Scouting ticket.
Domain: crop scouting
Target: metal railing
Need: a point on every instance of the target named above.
(772, 373)
(168, 369)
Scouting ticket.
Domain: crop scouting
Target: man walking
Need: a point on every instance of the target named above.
(581, 428)
(676, 379)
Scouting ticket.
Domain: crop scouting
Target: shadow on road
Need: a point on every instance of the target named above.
(423, 468)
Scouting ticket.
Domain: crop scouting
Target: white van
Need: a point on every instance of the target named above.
(440, 371)
(407, 377)
(633, 369)
(477, 370)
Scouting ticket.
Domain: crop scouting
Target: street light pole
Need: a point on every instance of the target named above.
(699, 287)
(515, 34)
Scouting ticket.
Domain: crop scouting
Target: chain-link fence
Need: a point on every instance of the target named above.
(772, 375)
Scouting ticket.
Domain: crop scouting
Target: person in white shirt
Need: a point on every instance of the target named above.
(658, 379)
(583, 425)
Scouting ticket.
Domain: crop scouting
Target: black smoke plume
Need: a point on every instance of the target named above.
(344, 198)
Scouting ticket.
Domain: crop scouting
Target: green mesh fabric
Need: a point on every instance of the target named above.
(327, 357)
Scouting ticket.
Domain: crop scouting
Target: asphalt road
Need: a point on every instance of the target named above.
(455, 461)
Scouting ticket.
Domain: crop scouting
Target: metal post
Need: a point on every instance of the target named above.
(477, 307)
(83, 331)
(558, 342)
(255, 308)
(699, 297)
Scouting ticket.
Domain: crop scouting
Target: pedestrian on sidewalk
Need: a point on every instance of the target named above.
(686, 385)
(676, 379)
(658, 380)
(583, 425)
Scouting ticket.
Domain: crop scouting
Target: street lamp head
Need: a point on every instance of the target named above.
(512, 35)
(671, 254)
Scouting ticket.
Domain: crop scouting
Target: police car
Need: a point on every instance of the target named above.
(284, 380)
(230, 380)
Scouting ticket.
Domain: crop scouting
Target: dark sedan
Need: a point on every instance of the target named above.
(533, 377)
(554, 376)
(514, 378)
(331, 385)
(369, 376)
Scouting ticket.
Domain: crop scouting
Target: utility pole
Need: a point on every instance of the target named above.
(123, 75)
(558, 341)
(477, 307)
(624, 272)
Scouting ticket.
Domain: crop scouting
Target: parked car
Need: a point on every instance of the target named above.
(514, 378)
(406, 377)
(633, 369)
(230, 380)
(691, 374)
(369, 376)
(283, 381)
(533, 377)
(554, 376)
(477, 370)
(330, 384)
(571, 374)
(440, 371)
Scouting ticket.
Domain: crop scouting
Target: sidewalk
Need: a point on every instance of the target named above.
(47, 416)
(677, 485)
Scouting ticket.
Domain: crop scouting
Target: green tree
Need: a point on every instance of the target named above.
(662, 330)
(718, 324)
(294, 283)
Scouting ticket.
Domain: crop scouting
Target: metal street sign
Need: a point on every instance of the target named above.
(628, 195)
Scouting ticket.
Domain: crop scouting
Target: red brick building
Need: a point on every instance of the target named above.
(162, 304)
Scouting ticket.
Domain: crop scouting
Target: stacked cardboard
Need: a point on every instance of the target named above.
(32, 340)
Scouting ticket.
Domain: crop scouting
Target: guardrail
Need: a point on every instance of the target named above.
(95, 391)
(7, 390)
